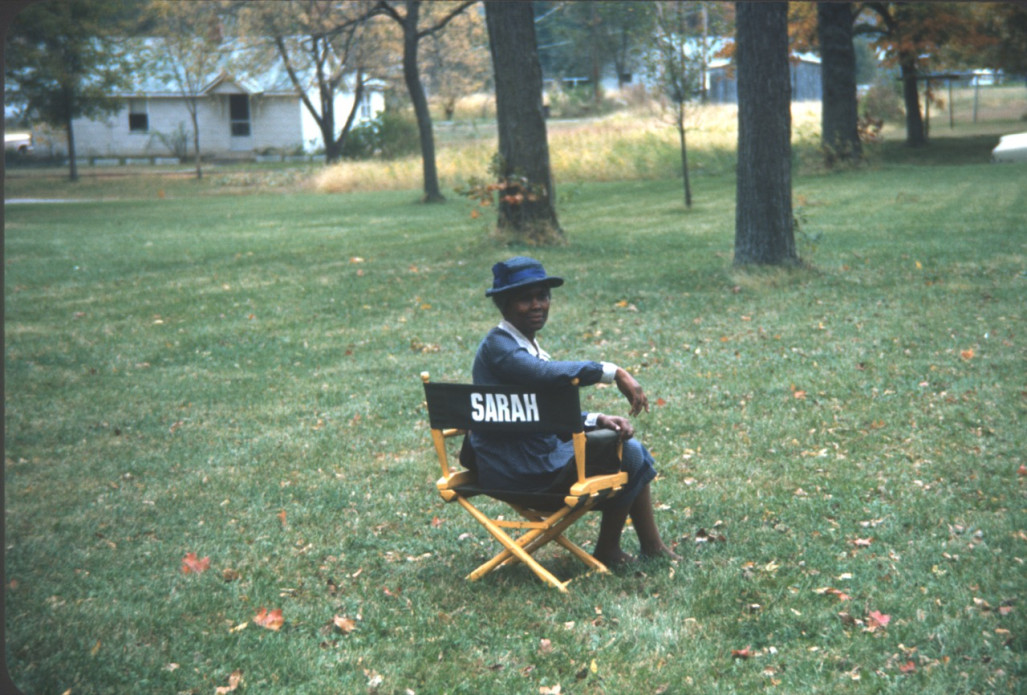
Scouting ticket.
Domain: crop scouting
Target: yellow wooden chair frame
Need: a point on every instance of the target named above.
(541, 524)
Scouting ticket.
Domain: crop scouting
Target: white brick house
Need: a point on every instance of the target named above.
(238, 118)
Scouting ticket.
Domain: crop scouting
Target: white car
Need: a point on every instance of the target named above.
(18, 142)
(1010, 148)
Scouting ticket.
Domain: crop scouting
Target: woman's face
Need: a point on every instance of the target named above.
(528, 309)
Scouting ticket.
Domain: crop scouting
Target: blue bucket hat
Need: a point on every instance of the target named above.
(519, 271)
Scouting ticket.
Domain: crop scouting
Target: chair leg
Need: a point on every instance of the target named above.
(511, 546)
(536, 539)
(582, 554)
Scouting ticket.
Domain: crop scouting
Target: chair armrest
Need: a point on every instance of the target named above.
(598, 482)
(455, 479)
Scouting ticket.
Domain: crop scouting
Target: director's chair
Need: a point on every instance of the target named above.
(454, 409)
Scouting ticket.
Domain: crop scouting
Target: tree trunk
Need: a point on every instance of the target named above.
(915, 136)
(196, 141)
(339, 144)
(763, 216)
(684, 152)
(72, 162)
(420, 102)
(333, 152)
(839, 130)
(526, 203)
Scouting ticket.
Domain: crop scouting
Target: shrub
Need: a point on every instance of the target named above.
(390, 135)
(882, 101)
(398, 135)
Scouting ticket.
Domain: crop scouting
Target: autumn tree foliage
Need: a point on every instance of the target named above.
(764, 231)
(455, 62)
(914, 36)
(526, 208)
(997, 40)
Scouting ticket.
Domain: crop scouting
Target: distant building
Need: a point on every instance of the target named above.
(722, 83)
(239, 117)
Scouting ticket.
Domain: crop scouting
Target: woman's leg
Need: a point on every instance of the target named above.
(608, 549)
(645, 526)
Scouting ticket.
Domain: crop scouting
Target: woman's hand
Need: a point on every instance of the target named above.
(620, 425)
(632, 391)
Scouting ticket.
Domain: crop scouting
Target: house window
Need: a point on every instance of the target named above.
(138, 119)
(365, 107)
(239, 114)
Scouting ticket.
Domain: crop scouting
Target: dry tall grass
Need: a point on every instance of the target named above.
(631, 145)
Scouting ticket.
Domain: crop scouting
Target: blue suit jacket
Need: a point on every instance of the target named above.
(522, 462)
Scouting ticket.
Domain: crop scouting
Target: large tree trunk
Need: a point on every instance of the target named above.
(839, 130)
(417, 97)
(915, 135)
(763, 218)
(526, 203)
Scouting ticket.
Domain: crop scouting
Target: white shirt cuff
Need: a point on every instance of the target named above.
(591, 418)
(609, 372)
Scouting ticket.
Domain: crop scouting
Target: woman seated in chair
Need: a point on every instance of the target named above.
(511, 355)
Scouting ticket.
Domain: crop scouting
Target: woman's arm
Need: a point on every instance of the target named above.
(632, 390)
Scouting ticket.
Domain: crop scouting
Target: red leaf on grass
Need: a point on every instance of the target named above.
(271, 620)
(190, 563)
(741, 653)
(907, 667)
(877, 619)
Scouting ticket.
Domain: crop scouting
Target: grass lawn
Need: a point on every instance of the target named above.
(236, 376)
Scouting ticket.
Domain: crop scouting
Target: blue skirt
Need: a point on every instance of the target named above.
(599, 460)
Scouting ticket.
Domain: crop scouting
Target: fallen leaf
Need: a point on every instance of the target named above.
(967, 354)
(741, 653)
(344, 625)
(271, 621)
(190, 563)
(907, 667)
(842, 596)
(233, 682)
(876, 620)
(862, 542)
(545, 646)
(550, 690)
